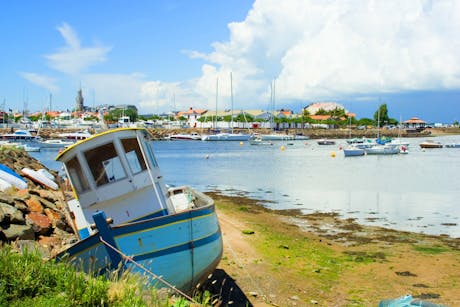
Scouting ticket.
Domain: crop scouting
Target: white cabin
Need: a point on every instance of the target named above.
(116, 172)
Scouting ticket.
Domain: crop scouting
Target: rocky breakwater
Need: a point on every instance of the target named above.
(34, 217)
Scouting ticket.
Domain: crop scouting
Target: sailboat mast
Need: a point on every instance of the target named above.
(231, 98)
(272, 126)
(217, 95)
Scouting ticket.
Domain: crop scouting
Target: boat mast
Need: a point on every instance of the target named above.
(231, 97)
(272, 118)
(217, 90)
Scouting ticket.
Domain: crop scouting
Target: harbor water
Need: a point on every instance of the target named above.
(419, 191)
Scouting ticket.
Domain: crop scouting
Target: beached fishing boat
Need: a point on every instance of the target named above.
(171, 235)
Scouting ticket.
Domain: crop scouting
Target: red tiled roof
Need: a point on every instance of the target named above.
(320, 117)
(414, 120)
(191, 112)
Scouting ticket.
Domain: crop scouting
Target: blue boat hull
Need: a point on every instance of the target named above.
(182, 248)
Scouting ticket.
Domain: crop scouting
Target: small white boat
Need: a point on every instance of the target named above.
(13, 178)
(54, 143)
(430, 144)
(29, 148)
(18, 136)
(223, 136)
(260, 141)
(40, 178)
(172, 234)
(75, 136)
(325, 142)
(386, 149)
(353, 151)
(275, 137)
(194, 136)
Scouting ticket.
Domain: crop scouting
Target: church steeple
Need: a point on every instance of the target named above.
(79, 107)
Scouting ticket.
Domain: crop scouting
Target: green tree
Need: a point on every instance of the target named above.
(381, 115)
(365, 122)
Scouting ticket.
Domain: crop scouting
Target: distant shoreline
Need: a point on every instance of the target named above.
(313, 133)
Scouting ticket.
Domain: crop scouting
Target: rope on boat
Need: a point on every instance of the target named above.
(155, 276)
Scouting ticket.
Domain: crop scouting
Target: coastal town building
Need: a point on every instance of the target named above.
(313, 108)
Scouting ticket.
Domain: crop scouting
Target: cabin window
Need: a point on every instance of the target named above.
(134, 155)
(148, 145)
(79, 181)
(105, 164)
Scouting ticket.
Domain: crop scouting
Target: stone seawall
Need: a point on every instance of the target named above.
(340, 133)
(36, 216)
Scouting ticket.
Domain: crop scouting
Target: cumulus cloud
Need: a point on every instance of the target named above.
(114, 88)
(330, 49)
(73, 58)
(157, 96)
(43, 81)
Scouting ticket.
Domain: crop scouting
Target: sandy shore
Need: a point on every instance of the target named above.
(284, 259)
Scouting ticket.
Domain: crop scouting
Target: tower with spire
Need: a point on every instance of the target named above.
(79, 107)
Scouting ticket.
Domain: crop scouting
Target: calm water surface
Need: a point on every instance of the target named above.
(417, 192)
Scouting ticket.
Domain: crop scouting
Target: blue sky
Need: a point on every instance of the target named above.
(164, 55)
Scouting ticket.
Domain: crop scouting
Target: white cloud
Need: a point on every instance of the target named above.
(73, 58)
(157, 97)
(328, 49)
(113, 88)
(43, 81)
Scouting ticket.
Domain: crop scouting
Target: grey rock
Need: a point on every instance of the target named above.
(23, 232)
(14, 215)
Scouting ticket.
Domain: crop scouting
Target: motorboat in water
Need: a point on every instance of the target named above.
(18, 136)
(325, 142)
(54, 143)
(386, 149)
(75, 136)
(273, 137)
(430, 144)
(194, 136)
(260, 141)
(353, 151)
(224, 136)
(170, 234)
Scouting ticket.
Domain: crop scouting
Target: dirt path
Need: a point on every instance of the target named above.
(320, 260)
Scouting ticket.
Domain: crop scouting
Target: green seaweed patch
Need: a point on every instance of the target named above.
(432, 250)
(364, 257)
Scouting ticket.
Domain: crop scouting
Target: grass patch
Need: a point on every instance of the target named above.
(27, 280)
(432, 250)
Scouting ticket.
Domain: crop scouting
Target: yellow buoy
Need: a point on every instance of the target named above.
(333, 154)
(282, 148)
(241, 143)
